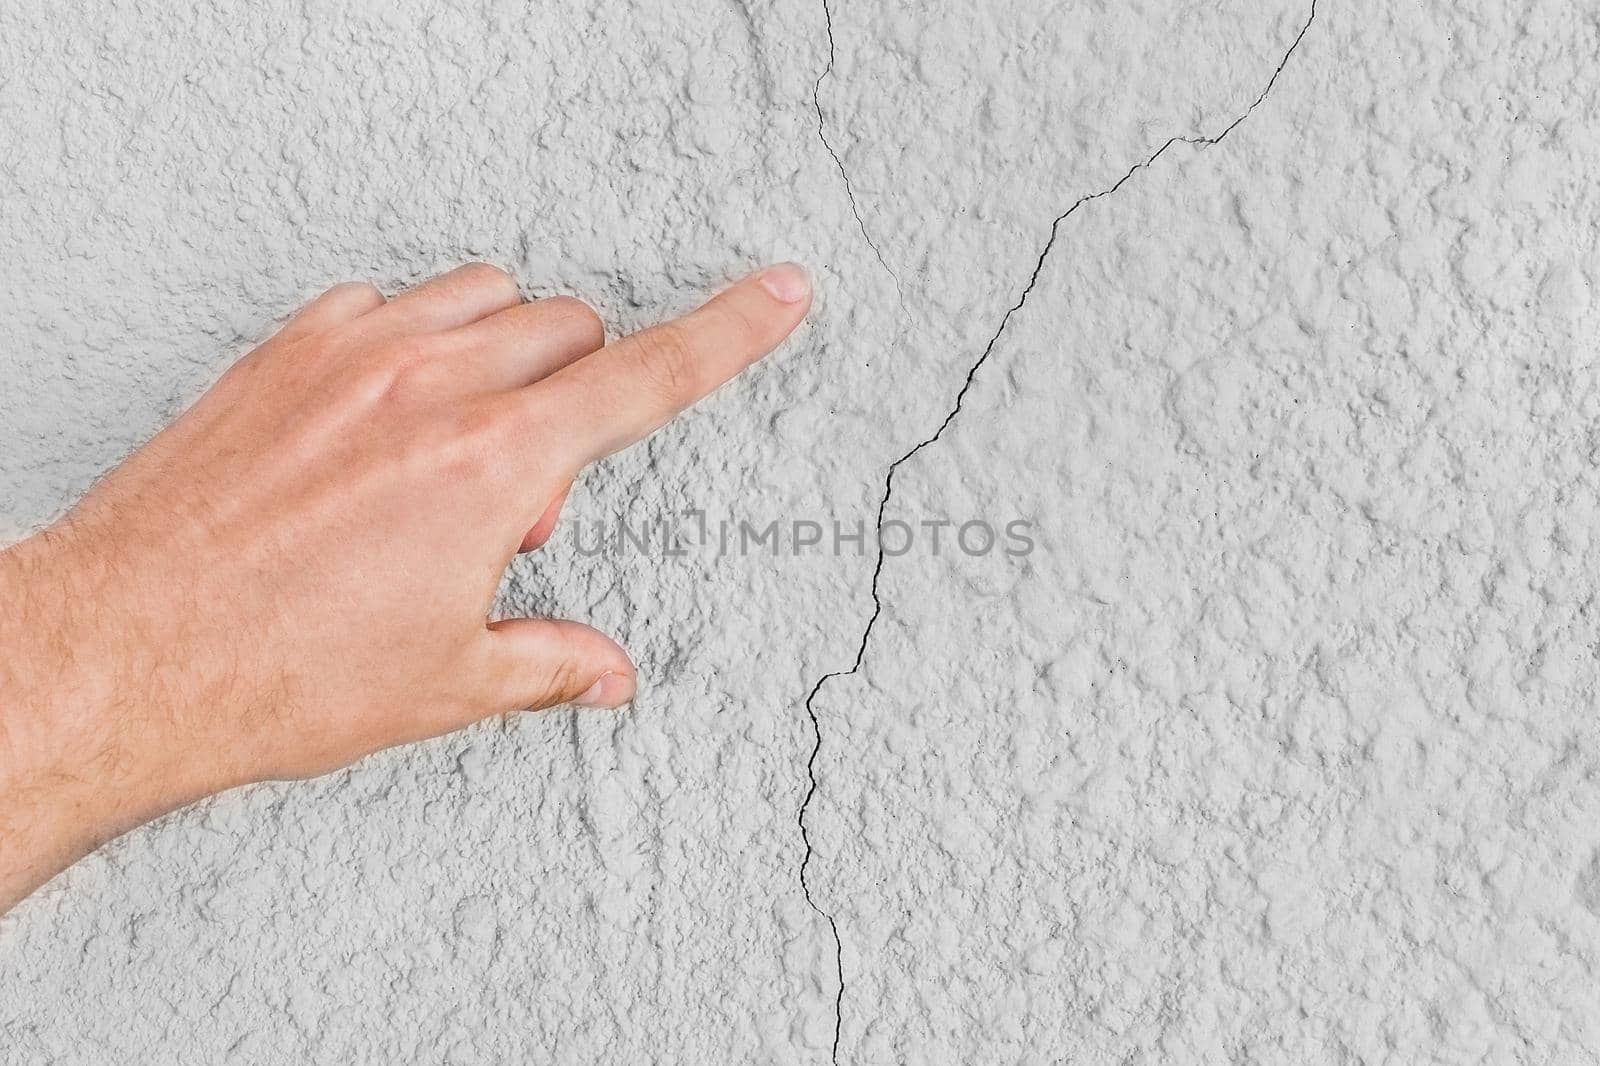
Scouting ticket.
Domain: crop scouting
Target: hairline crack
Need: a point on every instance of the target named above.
(822, 135)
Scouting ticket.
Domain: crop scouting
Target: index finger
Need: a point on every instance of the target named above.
(627, 390)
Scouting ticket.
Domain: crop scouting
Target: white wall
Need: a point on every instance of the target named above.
(1282, 745)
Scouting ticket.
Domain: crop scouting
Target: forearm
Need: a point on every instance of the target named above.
(74, 768)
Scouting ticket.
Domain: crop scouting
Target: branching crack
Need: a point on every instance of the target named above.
(955, 410)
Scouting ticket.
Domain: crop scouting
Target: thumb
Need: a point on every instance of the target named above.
(543, 662)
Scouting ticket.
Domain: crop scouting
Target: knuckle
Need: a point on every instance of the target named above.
(486, 275)
(579, 317)
(370, 384)
(356, 289)
(409, 369)
(668, 362)
(409, 357)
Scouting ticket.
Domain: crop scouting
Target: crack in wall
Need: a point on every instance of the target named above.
(955, 410)
(822, 135)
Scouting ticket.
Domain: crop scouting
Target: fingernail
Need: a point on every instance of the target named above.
(786, 282)
(612, 690)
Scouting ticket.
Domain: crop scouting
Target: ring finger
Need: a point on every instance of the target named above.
(526, 343)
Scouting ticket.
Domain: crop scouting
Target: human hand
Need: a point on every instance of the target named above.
(299, 570)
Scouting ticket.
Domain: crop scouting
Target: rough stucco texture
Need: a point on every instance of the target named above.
(1281, 747)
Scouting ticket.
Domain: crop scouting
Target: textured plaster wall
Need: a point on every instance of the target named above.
(1283, 745)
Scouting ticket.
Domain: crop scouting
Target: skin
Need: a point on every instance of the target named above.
(299, 571)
